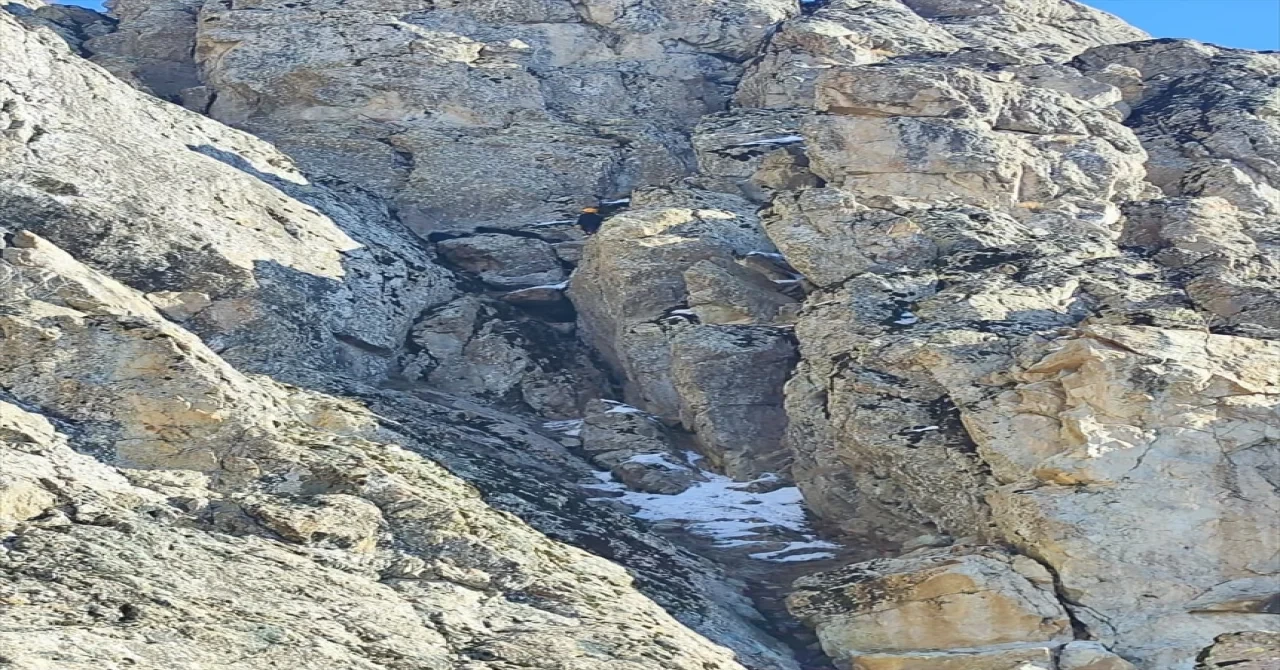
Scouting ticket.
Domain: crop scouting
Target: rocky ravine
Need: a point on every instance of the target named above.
(990, 283)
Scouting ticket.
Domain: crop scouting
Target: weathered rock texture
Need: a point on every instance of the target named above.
(162, 508)
(529, 107)
(1032, 275)
(908, 609)
(996, 278)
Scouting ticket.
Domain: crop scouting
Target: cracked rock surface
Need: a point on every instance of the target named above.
(961, 315)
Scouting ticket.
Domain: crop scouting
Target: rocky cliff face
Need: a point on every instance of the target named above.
(316, 372)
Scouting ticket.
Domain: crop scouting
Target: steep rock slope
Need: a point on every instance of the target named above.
(992, 282)
(227, 520)
(1009, 336)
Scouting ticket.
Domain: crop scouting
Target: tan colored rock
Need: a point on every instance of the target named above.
(152, 391)
(179, 306)
(297, 276)
(21, 500)
(937, 600)
(632, 277)
(529, 109)
(342, 521)
(1049, 29)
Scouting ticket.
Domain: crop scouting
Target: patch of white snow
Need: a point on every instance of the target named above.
(783, 553)
(728, 512)
(906, 318)
(659, 460)
(569, 427)
(622, 408)
(773, 141)
(797, 558)
(559, 287)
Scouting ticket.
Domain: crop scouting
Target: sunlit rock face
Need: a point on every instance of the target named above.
(963, 312)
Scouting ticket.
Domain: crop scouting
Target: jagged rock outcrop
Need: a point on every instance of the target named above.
(256, 469)
(643, 283)
(730, 381)
(992, 282)
(631, 282)
(294, 274)
(1206, 116)
(571, 100)
(221, 518)
(1253, 650)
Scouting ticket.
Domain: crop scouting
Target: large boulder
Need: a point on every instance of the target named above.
(938, 610)
(631, 280)
(1250, 650)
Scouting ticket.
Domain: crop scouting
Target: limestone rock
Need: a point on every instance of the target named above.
(861, 32)
(342, 521)
(151, 47)
(753, 152)
(1205, 116)
(1047, 28)
(75, 25)
(1030, 267)
(191, 488)
(161, 399)
(1109, 444)
(179, 306)
(632, 276)
(529, 110)
(1080, 655)
(1020, 658)
(933, 602)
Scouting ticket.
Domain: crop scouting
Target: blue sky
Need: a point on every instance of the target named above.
(1246, 24)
